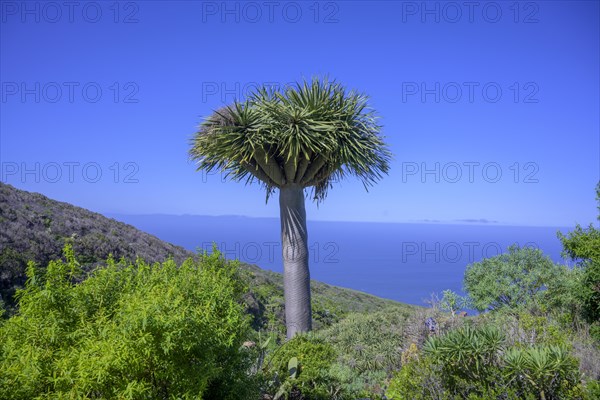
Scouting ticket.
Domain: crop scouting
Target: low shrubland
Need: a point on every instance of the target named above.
(127, 331)
(163, 330)
(208, 328)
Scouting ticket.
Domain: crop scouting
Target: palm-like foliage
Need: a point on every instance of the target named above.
(544, 368)
(475, 358)
(310, 135)
(468, 352)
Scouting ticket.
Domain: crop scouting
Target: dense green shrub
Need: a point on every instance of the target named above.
(583, 246)
(36, 228)
(127, 331)
(419, 378)
(582, 243)
(367, 342)
(590, 293)
(563, 294)
(312, 378)
(368, 347)
(509, 280)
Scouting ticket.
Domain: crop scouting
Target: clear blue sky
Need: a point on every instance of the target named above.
(119, 88)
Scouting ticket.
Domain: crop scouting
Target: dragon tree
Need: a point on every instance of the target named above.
(305, 136)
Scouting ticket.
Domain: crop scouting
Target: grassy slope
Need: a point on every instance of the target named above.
(330, 303)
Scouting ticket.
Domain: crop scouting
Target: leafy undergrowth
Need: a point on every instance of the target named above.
(214, 329)
(139, 330)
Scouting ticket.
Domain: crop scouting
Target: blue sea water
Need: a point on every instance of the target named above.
(400, 261)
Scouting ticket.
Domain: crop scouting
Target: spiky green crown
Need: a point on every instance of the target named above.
(310, 135)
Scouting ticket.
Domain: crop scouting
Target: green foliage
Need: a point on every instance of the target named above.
(509, 280)
(453, 302)
(36, 228)
(355, 357)
(592, 389)
(368, 341)
(302, 364)
(311, 134)
(419, 378)
(590, 292)
(527, 327)
(467, 353)
(128, 331)
(540, 329)
(368, 348)
(548, 371)
(583, 245)
(476, 363)
(563, 294)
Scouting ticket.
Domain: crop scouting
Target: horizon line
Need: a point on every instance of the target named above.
(462, 222)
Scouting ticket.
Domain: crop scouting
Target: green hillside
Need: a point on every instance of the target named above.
(36, 228)
(158, 322)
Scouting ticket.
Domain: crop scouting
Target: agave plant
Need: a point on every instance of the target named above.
(467, 352)
(304, 136)
(545, 368)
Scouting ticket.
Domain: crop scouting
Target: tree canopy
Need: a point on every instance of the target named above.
(510, 279)
(311, 134)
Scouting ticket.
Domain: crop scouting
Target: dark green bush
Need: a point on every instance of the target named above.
(419, 378)
(128, 331)
(583, 246)
(313, 378)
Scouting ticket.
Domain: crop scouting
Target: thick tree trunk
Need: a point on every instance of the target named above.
(296, 276)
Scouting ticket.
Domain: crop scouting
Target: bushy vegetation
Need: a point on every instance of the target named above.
(512, 279)
(208, 328)
(128, 331)
(476, 363)
(351, 359)
(36, 228)
(368, 348)
(301, 367)
(583, 246)
(538, 339)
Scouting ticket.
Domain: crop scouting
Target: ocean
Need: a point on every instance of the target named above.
(407, 262)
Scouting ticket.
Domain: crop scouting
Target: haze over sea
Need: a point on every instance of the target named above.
(406, 262)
